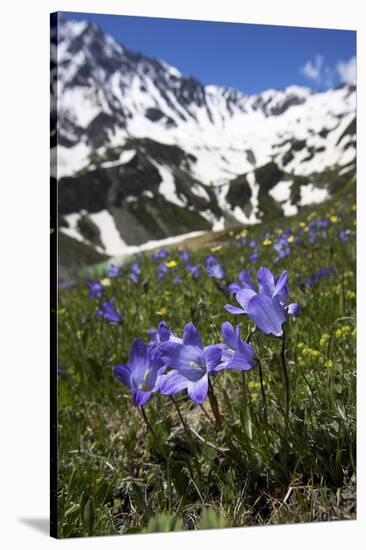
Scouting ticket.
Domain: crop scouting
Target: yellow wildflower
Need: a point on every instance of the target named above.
(171, 263)
(267, 242)
(162, 311)
(106, 282)
(216, 248)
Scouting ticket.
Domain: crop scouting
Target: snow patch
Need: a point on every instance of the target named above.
(109, 234)
(310, 194)
(281, 191)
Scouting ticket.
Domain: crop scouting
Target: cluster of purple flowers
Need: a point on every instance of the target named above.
(107, 310)
(160, 254)
(170, 364)
(281, 246)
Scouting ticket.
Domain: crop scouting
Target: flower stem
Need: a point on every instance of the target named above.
(183, 422)
(149, 427)
(285, 377)
(214, 404)
(262, 390)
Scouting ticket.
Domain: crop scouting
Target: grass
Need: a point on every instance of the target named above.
(116, 475)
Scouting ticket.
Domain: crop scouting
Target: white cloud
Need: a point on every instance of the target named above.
(311, 70)
(325, 75)
(347, 70)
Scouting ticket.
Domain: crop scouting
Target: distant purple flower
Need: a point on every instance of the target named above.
(312, 236)
(142, 374)
(344, 235)
(282, 247)
(113, 271)
(244, 281)
(236, 354)
(177, 280)
(254, 256)
(109, 313)
(96, 289)
(268, 307)
(324, 272)
(160, 254)
(191, 364)
(195, 270)
(135, 272)
(214, 268)
(184, 255)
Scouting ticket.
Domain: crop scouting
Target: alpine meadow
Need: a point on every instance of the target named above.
(206, 294)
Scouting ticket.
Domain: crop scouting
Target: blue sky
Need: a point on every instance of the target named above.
(251, 58)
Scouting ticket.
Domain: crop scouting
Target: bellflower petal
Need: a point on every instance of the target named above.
(191, 336)
(244, 296)
(212, 356)
(281, 287)
(267, 314)
(234, 310)
(266, 283)
(243, 357)
(123, 374)
(140, 398)
(197, 391)
(173, 383)
(229, 334)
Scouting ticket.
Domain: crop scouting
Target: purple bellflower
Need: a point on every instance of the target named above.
(191, 363)
(184, 255)
(214, 268)
(162, 271)
(109, 313)
(160, 254)
(236, 354)
(195, 270)
(162, 334)
(344, 235)
(244, 281)
(135, 272)
(113, 271)
(142, 374)
(268, 307)
(96, 289)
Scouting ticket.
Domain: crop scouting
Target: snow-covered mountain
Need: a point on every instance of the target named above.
(144, 152)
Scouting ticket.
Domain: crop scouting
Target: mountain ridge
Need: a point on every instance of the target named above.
(142, 138)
